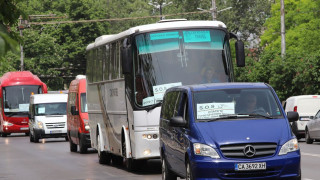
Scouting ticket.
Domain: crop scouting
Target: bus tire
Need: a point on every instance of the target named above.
(4, 134)
(104, 157)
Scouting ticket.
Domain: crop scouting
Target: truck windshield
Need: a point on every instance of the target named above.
(50, 109)
(181, 57)
(236, 103)
(16, 98)
(83, 101)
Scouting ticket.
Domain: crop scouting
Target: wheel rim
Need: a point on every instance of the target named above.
(163, 169)
(99, 150)
(188, 172)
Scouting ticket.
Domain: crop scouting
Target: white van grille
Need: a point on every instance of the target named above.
(238, 150)
(55, 125)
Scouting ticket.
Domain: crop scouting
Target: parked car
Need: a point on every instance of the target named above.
(312, 130)
(212, 131)
(77, 115)
(307, 106)
(48, 116)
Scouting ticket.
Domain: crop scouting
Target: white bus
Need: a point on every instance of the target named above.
(128, 73)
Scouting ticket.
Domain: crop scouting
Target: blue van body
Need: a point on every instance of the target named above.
(229, 146)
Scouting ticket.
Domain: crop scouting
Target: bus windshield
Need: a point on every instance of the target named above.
(179, 57)
(50, 109)
(83, 101)
(16, 98)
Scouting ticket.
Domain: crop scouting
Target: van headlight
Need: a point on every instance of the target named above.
(205, 150)
(289, 146)
(86, 125)
(40, 125)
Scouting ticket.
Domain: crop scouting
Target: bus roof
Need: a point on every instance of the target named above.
(19, 78)
(156, 27)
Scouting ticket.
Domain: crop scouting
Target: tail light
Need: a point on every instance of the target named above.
(295, 109)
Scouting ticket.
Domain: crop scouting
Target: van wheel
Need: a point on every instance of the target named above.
(308, 139)
(83, 148)
(189, 175)
(167, 174)
(31, 137)
(66, 138)
(104, 157)
(35, 137)
(73, 147)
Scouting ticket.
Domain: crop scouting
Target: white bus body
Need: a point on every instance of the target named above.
(123, 107)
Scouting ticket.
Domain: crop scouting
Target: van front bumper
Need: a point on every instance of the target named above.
(278, 167)
(41, 133)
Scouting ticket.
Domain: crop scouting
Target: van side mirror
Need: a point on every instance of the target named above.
(74, 111)
(126, 57)
(29, 116)
(177, 121)
(292, 116)
(312, 117)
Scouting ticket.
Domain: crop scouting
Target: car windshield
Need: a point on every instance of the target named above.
(51, 109)
(180, 57)
(236, 103)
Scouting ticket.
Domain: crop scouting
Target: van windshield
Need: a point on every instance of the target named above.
(50, 109)
(236, 103)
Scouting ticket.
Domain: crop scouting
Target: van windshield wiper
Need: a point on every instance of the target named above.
(258, 115)
(228, 116)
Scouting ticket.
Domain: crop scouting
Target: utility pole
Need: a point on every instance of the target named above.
(283, 31)
(21, 47)
(160, 6)
(214, 10)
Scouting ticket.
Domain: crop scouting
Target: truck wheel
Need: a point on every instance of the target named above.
(73, 147)
(308, 139)
(104, 157)
(83, 147)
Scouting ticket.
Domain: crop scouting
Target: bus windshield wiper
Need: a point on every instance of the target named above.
(154, 106)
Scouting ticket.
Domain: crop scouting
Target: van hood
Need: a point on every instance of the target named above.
(223, 132)
(51, 118)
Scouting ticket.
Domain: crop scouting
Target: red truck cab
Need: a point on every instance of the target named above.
(78, 129)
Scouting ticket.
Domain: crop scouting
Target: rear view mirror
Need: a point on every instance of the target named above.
(178, 121)
(74, 110)
(126, 57)
(292, 116)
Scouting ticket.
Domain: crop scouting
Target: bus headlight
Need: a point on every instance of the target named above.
(6, 123)
(205, 150)
(289, 146)
(40, 125)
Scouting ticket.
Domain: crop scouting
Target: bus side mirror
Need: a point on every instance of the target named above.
(126, 57)
(240, 54)
(74, 111)
(240, 57)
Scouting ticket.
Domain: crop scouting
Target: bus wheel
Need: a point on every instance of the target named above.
(83, 147)
(4, 134)
(104, 157)
(128, 162)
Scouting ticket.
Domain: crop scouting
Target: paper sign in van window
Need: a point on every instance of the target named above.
(23, 107)
(214, 110)
(196, 36)
(161, 89)
(148, 101)
(41, 110)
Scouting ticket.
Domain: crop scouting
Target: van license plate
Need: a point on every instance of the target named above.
(250, 166)
(24, 128)
(56, 131)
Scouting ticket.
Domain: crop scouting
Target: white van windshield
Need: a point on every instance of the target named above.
(236, 103)
(50, 109)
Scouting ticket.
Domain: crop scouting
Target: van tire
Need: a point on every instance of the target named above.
(35, 137)
(83, 148)
(31, 137)
(167, 174)
(189, 175)
(308, 139)
(73, 147)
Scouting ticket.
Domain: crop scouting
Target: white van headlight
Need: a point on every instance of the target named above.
(289, 146)
(40, 125)
(205, 150)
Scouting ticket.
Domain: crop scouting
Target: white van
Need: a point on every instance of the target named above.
(307, 106)
(48, 116)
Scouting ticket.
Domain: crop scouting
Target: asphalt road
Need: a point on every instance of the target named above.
(51, 159)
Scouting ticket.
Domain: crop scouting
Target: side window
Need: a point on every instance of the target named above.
(169, 106)
(71, 101)
(318, 115)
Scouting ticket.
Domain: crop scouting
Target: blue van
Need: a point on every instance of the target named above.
(227, 131)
